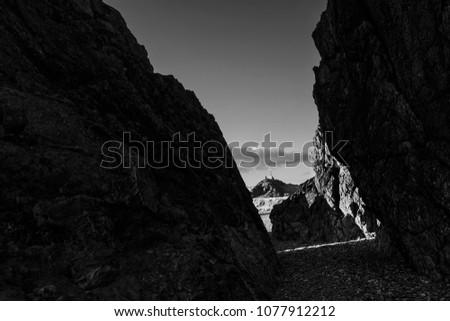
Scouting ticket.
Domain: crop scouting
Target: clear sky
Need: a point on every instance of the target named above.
(248, 61)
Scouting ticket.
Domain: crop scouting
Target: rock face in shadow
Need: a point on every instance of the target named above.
(73, 77)
(383, 84)
(326, 208)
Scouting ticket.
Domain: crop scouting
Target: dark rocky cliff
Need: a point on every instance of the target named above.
(384, 84)
(72, 77)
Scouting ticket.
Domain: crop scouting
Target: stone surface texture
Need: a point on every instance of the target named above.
(383, 84)
(72, 77)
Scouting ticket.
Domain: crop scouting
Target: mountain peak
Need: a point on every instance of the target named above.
(271, 187)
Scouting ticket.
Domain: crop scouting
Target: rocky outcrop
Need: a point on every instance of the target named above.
(383, 84)
(73, 77)
(308, 218)
(271, 187)
(326, 208)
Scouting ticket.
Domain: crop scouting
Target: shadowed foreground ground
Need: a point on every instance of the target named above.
(351, 271)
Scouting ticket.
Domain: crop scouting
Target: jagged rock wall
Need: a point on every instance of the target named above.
(72, 77)
(326, 208)
(383, 84)
(334, 181)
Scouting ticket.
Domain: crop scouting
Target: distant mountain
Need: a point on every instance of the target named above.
(271, 187)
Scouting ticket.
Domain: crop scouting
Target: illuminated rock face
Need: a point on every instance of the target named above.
(326, 208)
(73, 77)
(383, 84)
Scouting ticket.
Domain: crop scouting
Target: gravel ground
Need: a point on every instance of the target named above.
(351, 271)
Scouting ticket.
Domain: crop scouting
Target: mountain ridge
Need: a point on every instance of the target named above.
(271, 187)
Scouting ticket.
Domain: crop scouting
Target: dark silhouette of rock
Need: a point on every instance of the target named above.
(73, 77)
(326, 208)
(383, 84)
(271, 187)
